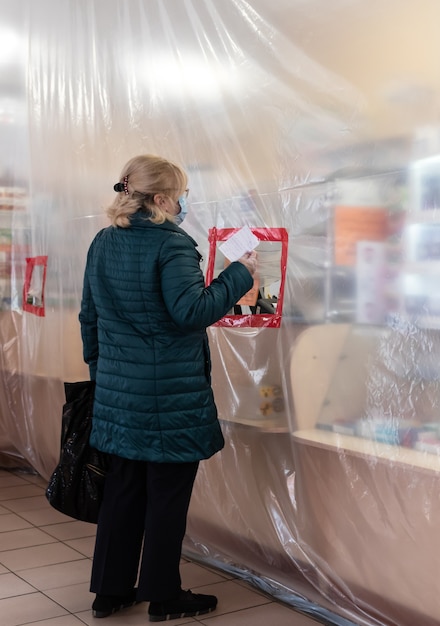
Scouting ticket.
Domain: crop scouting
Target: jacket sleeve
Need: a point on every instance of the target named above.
(191, 304)
(89, 327)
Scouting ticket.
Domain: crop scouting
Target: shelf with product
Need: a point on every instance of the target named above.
(377, 392)
(364, 246)
(384, 250)
(14, 244)
(366, 442)
(420, 299)
(369, 448)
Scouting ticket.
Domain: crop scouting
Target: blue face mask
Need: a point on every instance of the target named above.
(183, 210)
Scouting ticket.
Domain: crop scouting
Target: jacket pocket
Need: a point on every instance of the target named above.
(207, 357)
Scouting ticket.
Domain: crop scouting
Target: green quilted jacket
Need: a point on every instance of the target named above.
(144, 313)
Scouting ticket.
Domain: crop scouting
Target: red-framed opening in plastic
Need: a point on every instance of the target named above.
(270, 320)
(33, 288)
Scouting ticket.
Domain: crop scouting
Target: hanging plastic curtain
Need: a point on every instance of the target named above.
(311, 128)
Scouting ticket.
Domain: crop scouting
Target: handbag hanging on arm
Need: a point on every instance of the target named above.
(77, 483)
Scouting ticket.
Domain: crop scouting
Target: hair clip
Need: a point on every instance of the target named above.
(122, 187)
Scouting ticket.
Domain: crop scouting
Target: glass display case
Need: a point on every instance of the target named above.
(367, 453)
(421, 270)
(371, 415)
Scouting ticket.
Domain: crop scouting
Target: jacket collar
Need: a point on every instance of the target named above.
(140, 220)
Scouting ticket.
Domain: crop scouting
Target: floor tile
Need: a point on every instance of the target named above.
(74, 598)
(26, 504)
(11, 521)
(60, 575)
(38, 556)
(45, 516)
(21, 491)
(223, 573)
(70, 530)
(30, 608)
(273, 613)
(10, 480)
(24, 538)
(233, 597)
(85, 545)
(66, 620)
(11, 585)
(34, 479)
(194, 575)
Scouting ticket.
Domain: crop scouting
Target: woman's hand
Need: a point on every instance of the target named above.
(249, 260)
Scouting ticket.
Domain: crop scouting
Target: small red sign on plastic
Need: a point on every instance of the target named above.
(34, 285)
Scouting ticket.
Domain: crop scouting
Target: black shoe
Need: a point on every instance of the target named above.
(103, 606)
(187, 604)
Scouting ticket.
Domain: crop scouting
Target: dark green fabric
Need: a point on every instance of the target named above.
(144, 313)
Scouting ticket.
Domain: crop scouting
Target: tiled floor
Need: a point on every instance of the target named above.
(45, 561)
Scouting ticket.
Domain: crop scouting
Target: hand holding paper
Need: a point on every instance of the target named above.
(239, 243)
(249, 260)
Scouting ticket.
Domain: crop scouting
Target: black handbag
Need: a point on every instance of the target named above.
(77, 483)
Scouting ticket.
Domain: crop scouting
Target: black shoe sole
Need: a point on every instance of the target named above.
(115, 609)
(168, 616)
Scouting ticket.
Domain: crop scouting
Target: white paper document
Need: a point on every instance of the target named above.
(239, 243)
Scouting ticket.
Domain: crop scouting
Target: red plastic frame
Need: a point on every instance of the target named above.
(263, 234)
(31, 263)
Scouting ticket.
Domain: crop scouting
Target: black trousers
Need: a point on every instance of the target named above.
(142, 520)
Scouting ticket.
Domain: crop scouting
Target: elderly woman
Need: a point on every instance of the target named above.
(144, 313)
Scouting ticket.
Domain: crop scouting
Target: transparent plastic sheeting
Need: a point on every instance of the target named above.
(314, 121)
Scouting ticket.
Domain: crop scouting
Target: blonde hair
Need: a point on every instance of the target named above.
(146, 175)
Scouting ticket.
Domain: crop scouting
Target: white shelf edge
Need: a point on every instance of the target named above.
(367, 448)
